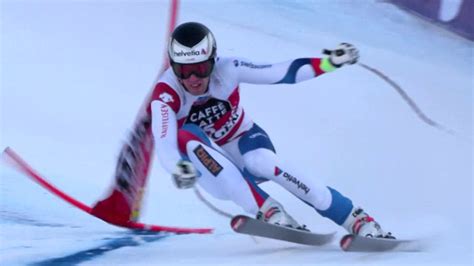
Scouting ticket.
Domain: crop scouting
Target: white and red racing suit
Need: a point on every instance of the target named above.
(229, 150)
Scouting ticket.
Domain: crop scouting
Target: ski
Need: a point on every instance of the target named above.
(250, 226)
(22, 166)
(367, 244)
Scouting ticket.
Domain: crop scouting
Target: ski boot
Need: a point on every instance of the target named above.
(273, 212)
(360, 223)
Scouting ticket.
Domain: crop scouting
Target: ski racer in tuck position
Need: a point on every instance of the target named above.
(201, 134)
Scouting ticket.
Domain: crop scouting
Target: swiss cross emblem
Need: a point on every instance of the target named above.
(166, 97)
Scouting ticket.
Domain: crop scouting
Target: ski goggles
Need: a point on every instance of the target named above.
(201, 70)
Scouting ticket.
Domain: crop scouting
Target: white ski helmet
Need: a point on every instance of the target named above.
(191, 43)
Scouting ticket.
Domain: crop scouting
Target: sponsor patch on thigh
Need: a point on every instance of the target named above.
(206, 159)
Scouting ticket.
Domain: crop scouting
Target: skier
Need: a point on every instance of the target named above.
(202, 134)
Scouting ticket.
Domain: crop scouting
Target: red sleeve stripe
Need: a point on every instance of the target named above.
(234, 98)
(164, 93)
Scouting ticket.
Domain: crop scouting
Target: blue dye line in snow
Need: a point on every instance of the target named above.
(16, 218)
(130, 240)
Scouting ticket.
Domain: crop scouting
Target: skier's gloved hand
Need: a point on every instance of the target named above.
(185, 174)
(345, 53)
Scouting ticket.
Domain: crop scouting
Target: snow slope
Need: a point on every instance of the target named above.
(73, 75)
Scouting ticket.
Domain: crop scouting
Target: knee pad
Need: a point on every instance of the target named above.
(222, 179)
(261, 162)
